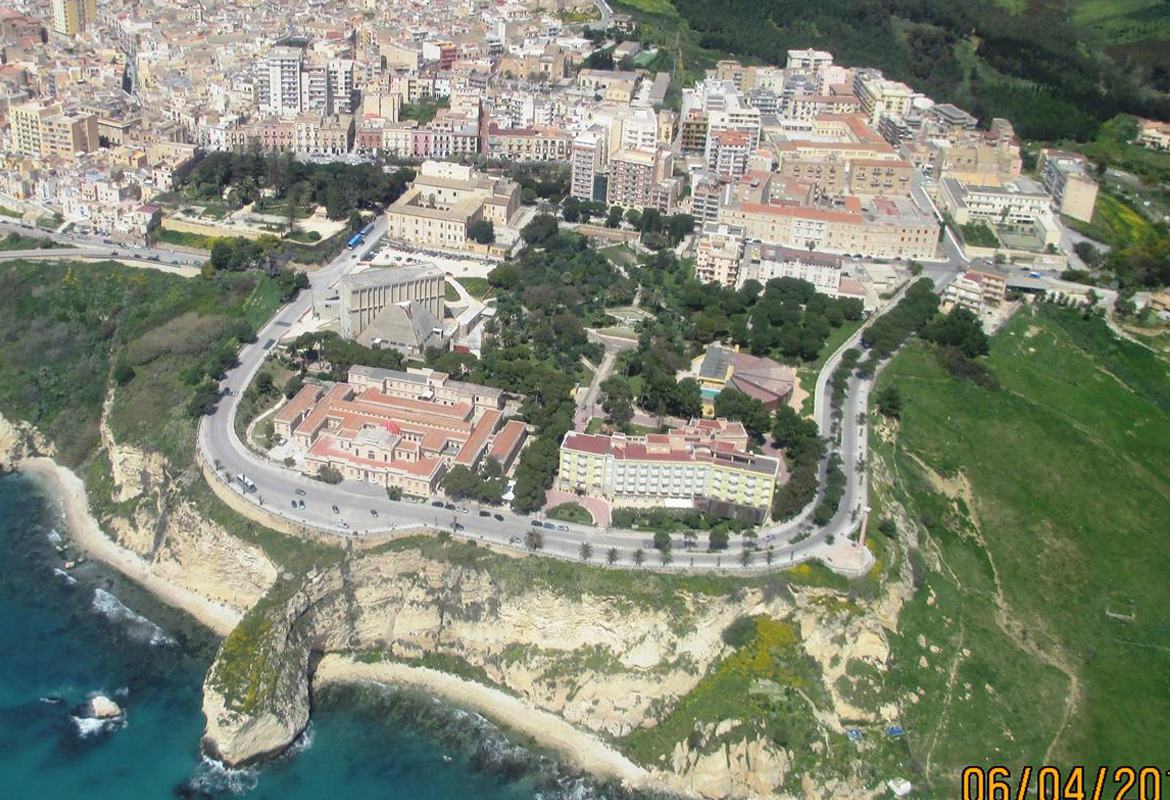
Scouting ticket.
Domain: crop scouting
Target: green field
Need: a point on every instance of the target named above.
(1040, 510)
(1115, 222)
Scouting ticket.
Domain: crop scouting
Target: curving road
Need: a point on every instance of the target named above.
(96, 248)
(365, 509)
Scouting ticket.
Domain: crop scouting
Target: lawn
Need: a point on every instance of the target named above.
(450, 293)
(571, 512)
(183, 238)
(1050, 574)
(837, 337)
(479, 288)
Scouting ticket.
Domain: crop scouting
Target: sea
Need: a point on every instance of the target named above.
(68, 634)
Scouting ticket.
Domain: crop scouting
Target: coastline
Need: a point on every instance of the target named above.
(581, 748)
(68, 490)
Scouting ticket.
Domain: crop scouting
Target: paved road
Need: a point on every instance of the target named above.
(278, 487)
(93, 246)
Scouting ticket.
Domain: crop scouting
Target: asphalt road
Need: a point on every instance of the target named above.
(365, 509)
(94, 247)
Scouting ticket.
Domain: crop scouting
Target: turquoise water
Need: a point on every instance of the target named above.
(66, 636)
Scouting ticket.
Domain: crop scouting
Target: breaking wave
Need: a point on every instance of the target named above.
(138, 626)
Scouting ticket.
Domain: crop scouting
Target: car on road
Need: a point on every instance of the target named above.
(483, 513)
(373, 512)
(113, 252)
(537, 523)
(514, 540)
(301, 492)
(562, 527)
(771, 537)
(449, 506)
(461, 510)
(550, 526)
(437, 503)
(343, 524)
(294, 503)
(336, 510)
(458, 526)
(498, 517)
(300, 504)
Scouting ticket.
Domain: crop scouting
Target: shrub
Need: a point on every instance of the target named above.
(740, 632)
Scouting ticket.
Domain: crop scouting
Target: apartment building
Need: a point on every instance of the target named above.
(879, 96)
(764, 262)
(529, 144)
(614, 86)
(718, 254)
(44, 131)
(327, 135)
(71, 17)
(880, 177)
(1154, 134)
(888, 228)
(587, 163)
(728, 152)
(808, 60)
(693, 132)
(278, 80)
(705, 465)
(976, 291)
(640, 179)
(1066, 177)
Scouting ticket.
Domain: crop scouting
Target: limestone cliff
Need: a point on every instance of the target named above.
(18, 441)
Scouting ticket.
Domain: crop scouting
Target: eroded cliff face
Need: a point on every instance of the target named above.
(20, 440)
(598, 662)
(605, 664)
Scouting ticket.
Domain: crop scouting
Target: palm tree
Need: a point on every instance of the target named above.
(639, 557)
(534, 540)
(769, 555)
(611, 556)
(666, 557)
(745, 558)
(585, 551)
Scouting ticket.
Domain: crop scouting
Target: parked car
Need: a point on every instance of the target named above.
(301, 492)
(514, 540)
(373, 512)
(336, 510)
(562, 527)
(537, 523)
(499, 517)
(449, 506)
(437, 503)
(483, 513)
(300, 503)
(343, 524)
(461, 510)
(550, 526)
(458, 526)
(294, 503)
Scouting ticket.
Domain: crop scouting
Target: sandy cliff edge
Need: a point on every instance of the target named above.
(583, 749)
(69, 491)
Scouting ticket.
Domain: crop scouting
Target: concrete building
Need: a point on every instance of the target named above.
(718, 254)
(1066, 176)
(279, 80)
(44, 131)
(763, 262)
(722, 368)
(976, 291)
(887, 228)
(808, 60)
(640, 179)
(705, 465)
(1154, 134)
(587, 165)
(71, 17)
(879, 96)
(1018, 202)
(398, 429)
(444, 200)
(364, 295)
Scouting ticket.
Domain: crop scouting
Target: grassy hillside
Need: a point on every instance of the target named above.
(1040, 510)
(1054, 73)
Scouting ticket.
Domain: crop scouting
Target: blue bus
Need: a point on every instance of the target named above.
(355, 241)
(366, 231)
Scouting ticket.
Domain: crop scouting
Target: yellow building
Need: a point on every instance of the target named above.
(41, 131)
(70, 17)
(705, 465)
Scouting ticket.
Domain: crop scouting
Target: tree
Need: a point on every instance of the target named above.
(393, 493)
(614, 217)
(717, 539)
(585, 551)
(666, 557)
(123, 373)
(639, 557)
(1088, 254)
(534, 540)
(889, 402)
(264, 383)
(617, 400)
(540, 230)
(329, 474)
(461, 482)
(293, 386)
(634, 217)
(960, 328)
(611, 556)
(482, 231)
(745, 558)
(661, 540)
(736, 405)
(204, 400)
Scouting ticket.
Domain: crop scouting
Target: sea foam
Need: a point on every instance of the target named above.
(138, 626)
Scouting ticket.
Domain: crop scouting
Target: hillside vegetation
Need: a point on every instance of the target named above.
(1053, 74)
(1033, 508)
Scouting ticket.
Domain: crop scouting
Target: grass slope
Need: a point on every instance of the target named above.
(1043, 588)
